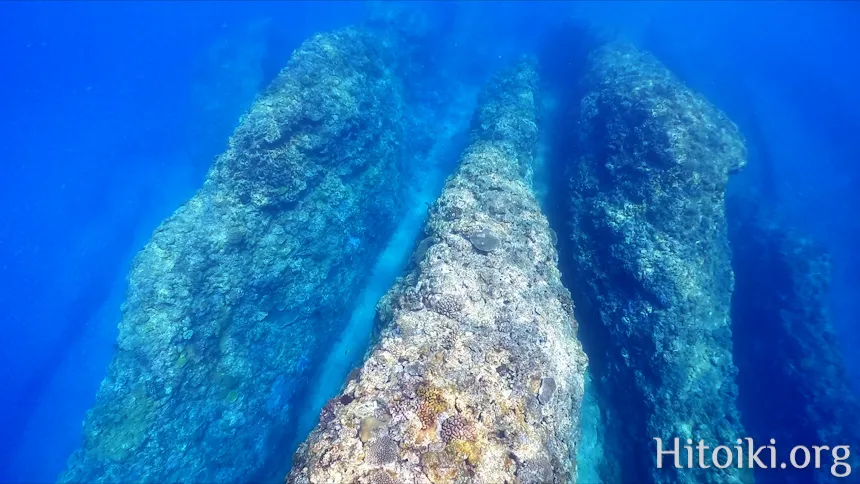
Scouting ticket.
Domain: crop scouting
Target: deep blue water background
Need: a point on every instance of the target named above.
(112, 112)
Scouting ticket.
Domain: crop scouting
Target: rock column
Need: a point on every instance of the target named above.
(477, 373)
(238, 294)
(651, 259)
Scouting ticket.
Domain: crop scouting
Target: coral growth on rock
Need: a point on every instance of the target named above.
(436, 366)
(382, 451)
(235, 295)
(652, 262)
(458, 428)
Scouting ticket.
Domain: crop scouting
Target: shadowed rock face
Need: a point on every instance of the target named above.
(792, 378)
(478, 373)
(652, 263)
(237, 292)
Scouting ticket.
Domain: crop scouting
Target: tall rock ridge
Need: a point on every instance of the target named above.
(477, 374)
(652, 263)
(786, 346)
(238, 293)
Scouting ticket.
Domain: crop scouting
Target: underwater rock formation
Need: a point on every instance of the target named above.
(792, 377)
(652, 263)
(477, 373)
(235, 296)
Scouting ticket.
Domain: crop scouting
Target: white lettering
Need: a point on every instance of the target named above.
(660, 453)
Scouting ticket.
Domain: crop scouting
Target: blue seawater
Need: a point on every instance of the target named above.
(113, 115)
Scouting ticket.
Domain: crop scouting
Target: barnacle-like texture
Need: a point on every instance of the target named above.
(380, 477)
(648, 228)
(447, 305)
(457, 384)
(235, 294)
(381, 451)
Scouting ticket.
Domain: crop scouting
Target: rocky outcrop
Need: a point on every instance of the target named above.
(477, 373)
(792, 376)
(652, 263)
(239, 292)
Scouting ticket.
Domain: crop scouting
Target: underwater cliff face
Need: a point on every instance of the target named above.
(786, 348)
(477, 374)
(651, 262)
(232, 300)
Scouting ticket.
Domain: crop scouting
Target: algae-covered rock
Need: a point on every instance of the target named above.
(236, 294)
(455, 377)
(652, 263)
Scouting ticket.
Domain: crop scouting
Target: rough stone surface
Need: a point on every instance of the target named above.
(786, 346)
(652, 263)
(471, 377)
(238, 291)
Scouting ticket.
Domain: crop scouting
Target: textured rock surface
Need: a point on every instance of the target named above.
(477, 375)
(652, 262)
(785, 345)
(234, 296)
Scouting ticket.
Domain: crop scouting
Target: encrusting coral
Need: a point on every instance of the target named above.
(464, 333)
(238, 292)
(650, 251)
